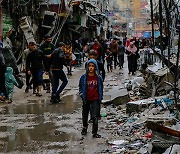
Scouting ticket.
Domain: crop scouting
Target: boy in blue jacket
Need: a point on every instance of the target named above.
(91, 92)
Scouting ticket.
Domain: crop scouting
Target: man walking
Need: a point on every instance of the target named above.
(34, 66)
(121, 51)
(57, 61)
(114, 48)
(47, 47)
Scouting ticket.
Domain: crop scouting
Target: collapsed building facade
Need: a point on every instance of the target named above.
(64, 20)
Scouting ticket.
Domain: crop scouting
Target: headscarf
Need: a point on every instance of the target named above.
(132, 49)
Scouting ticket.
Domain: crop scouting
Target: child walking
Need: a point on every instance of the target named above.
(109, 59)
(10, 81)
(91, 92)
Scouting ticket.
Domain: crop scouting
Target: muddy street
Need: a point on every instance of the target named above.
(33, 125)
(38, 126)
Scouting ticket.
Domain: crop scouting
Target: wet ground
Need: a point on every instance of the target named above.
(33, 125)
(38, 126)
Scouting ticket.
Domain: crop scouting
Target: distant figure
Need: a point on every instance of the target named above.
(127, 42)
(96, 46)
(10, 81)
(91, 92)
(114, 48)
(132, 58)
(109, 59)
(68, 57)
(121, 51)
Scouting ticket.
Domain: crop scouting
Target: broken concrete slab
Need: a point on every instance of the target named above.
(116, 97)
(137, 106)
(156, 82)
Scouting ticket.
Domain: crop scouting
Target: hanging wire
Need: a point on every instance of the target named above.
(25, 3)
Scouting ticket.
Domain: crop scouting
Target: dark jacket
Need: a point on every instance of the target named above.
(57, 59)
(121, 50)
(83, 83)
(35, 61)
(47, 48)
(109, 56)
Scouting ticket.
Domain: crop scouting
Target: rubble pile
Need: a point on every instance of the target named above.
(131, 132)
(155, 81)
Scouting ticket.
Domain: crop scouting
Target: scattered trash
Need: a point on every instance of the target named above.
(103, 112)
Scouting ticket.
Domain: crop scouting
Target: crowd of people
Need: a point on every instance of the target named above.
(43, 66)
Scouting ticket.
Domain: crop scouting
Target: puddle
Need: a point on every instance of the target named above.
(36, 125)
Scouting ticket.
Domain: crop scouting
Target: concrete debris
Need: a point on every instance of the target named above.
(116, 96)
(155, 85)
(135, 83)
(129, 126)
(174, 149)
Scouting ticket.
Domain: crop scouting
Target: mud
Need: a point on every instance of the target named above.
(38, 126)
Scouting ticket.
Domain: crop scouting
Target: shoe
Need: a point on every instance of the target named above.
(9, 101)
(90, 120)
(26, 90)
(70, 74)
(96, 136)
(58, 99)
(34, 92)
(38, 94)
(84, 131)
(54, 100)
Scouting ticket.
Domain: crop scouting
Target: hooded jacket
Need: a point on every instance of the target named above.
(83, 83)
(100, 68)
(10, 80)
